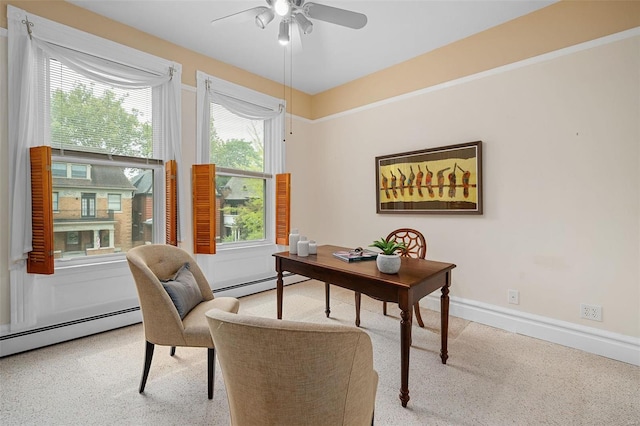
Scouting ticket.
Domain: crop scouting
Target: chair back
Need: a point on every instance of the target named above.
(279, 372)
(149, 264)
(414, 241)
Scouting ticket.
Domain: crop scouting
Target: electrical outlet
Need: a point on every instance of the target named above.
(591, 312)
(514, 297)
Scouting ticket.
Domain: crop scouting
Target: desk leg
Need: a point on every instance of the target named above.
(327, 311)
(358, 297)
(279, 288)
(405, 345)
(444, 319)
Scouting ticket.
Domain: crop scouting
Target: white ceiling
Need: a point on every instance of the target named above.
(331, 55)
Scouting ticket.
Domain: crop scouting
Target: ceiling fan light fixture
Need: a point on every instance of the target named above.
(263, 18)
(305, 25)
(283, 36)
(282, 7)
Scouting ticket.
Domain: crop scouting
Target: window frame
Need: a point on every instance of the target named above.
(273, 147)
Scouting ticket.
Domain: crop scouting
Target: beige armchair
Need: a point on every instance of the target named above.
(157, 264)
(280, 372)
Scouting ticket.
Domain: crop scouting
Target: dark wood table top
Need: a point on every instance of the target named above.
(412, 272)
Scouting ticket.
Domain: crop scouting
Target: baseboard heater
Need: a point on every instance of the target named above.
(250, 283)
(61, 325)
(68, 323)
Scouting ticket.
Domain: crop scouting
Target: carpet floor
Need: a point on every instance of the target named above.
(492, 377)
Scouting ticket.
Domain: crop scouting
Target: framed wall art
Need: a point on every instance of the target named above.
(444, 180)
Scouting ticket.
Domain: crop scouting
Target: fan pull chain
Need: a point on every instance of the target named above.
(284, 84)
(291, 85)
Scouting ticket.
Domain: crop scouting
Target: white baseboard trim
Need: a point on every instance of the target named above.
(611, 345)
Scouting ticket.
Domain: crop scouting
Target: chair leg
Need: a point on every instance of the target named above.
(416, 308)
(173, 351)
(211, 358)
(327, 311)
(384, 308)
(147, 364)
(358, 300)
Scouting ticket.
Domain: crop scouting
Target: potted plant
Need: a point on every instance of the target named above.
(388, 261)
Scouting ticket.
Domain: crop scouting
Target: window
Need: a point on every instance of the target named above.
(59, 170)
(71, 171)
(64, 112)
(91, 122)
(242, 136)
(237, 149)
(55, 202)
(79, 171)
(114, 202)
(88, 205)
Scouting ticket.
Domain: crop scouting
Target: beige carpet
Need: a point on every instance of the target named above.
(492, 377)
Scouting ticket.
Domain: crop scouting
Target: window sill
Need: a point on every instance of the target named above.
(89, 261)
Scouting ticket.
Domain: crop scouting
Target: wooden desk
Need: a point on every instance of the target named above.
(416, 279)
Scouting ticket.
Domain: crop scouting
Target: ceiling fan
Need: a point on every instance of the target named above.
(297, 13)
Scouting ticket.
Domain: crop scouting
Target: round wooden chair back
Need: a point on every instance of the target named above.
(414, 241)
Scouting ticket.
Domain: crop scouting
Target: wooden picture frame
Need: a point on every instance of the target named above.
(443, 180)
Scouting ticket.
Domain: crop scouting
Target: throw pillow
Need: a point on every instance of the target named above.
(183, 290)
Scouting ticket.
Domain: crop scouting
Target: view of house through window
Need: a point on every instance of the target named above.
(99, 208)
(237, 147)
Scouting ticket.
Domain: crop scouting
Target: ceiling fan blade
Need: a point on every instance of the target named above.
(244, 15)
(334, 15)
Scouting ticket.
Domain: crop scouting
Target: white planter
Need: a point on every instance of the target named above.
(388, 263)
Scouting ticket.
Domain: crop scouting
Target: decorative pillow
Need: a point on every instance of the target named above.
(183, 290)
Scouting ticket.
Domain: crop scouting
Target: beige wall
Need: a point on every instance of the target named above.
(561, 147)
(550, 229)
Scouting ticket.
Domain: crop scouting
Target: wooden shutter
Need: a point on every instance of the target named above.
(204, 208)
(171, 206)
(40, 259)
(283, 208)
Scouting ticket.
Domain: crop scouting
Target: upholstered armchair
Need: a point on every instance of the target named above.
(279, 372)
(174, 296)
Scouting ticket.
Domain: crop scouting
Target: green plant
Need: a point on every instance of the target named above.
(388, 247)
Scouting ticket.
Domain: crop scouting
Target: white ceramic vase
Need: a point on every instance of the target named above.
(388, 263)
(294, 237)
